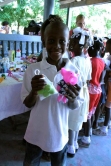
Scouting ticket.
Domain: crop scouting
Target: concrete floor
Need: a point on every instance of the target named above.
(12, 149)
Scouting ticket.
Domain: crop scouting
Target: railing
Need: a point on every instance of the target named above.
(27, 44)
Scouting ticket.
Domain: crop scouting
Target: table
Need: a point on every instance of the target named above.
(10, 98)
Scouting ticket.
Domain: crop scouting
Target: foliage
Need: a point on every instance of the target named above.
(97, 17)
(20, 13)
(60, 12)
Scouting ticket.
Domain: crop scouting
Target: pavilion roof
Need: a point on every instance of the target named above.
(5, 2)
(77, 3)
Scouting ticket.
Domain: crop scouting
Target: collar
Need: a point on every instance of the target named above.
(44, 64)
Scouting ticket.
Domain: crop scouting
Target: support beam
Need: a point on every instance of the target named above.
(5, 2)
(82, 3)
(73, 4)
(96, 2)
(48, 8)
(69, 17)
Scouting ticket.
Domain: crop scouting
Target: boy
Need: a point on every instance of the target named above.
(49, 132)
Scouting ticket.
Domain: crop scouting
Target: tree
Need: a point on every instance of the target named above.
(97, 17)
(22, 12)
(60, 12)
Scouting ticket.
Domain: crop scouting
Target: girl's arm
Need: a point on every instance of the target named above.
(31, 99)
(72, 94)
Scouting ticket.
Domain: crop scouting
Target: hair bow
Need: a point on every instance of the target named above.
(83, 33)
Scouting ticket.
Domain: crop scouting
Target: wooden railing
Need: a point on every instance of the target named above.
(27, 44)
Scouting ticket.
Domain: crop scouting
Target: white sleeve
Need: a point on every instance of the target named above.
(26, 85)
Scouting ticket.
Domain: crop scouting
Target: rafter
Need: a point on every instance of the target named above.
(76, 3)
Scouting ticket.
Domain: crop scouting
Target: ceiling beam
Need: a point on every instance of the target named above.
(83, 3)
(96, 2)
(6, 2)
(73, 4)
(65, 1)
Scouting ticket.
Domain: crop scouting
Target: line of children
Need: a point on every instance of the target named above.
(48, 123)
(94, 88)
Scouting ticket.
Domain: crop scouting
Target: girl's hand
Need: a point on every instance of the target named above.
(72, 92)
(37, 83)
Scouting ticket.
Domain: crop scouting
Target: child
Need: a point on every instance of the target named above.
(5, 27)
(103, 131)
(78, 43)
(80, 22)
(101, 104)
(94, 88)
(48, 124)
(51, 18)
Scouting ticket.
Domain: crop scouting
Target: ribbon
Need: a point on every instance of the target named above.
(79, 31)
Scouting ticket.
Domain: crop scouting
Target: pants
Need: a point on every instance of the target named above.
(33, 155)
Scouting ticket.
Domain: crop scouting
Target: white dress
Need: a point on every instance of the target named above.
(77, 118)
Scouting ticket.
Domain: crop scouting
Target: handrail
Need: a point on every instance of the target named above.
(26, 43)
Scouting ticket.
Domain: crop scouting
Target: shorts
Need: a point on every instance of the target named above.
(94, 100)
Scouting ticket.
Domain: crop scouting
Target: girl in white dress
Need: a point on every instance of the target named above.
(79, 42)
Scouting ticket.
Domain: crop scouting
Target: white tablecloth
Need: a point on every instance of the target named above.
(10, 101)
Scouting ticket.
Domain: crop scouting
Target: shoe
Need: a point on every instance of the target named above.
(99, 132)
(71, 151)
(83, 144)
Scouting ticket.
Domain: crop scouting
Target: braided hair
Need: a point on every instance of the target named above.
(52, 18)
(96, 47)
(82, 36)
(108, 41)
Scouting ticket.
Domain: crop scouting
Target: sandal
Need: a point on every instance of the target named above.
(83, 144)
(99, 132)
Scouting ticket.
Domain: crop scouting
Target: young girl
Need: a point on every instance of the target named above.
(78, 43)
(103, 131)
(101, 104)
(48, 123)
(94, 88)
(51, 18)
